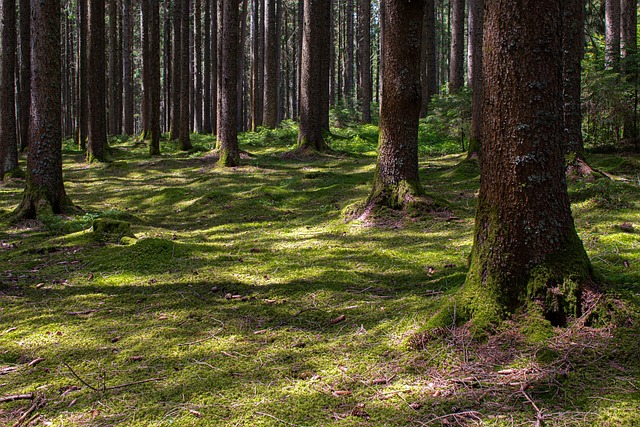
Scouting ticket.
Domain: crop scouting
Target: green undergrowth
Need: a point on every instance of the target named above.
(247, 299)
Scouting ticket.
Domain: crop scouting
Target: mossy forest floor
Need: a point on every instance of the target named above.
(248, 300)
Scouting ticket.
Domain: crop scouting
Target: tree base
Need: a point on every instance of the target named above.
(15, 173)
(37, 204)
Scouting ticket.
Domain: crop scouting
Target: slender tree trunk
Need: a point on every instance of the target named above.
(206, 123)
(396, 182)
(228, 132)
(113, 70)
(176, 77)
(8, 132)
(526, 248)
(166, 67)
(44, 192)
(96, 86)
(151, 24)
(185, 80)
(629, 61)
(198, 64)
(256, 85)
(216, 14)
(456, 69)
(348, 50)
(270, 98)
(83, 107)
(612, 34)
(127, 65)
(240, 68)
(364, 55)
(314, 86)
(428, 59)
(476, 16)
(25, 73)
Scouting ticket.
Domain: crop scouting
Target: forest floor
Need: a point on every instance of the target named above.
(246, 299)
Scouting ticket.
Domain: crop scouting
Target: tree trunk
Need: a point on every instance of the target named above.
(206, 73)
(629, 61)
(429, 61)
(146, 67)
(127, 65)
(96, 88)
(8, 133)
(242, 36)
(25, 73)
(185, 79)
(83, 124)
(216, 14)
(526, 252)
(348, 53)
(476, 16)
(456, 64)
(314, 86)
(364, 55)
(227, 131)
(270, 97)
(612, 34)
(256, 66)
(152, 69)
(198, 64)
(113, 68)
(396, 182)
(176, 78)
(44, 192)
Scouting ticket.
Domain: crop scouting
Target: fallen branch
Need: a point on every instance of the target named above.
(80, 313)
(114, 387)
(28, 396)
(472, 414)
(4, 371)
(78, 377)
(539, 414)
(38, 402)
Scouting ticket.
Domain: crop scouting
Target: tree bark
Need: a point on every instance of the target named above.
(364, 55)
(127, 65)
(476, 17)
(8, 132)
(456, 64)
(152, 62)
(25, 73)
(228, 131)
(314, 86)
(526, 252)
(114, 72)
(429, 62)
(612, 34)
(256, 65)
(216, 49)
(97, 133)
(206, 72)
(198, 64)
(348, 53)
(396, 182)
(146, 67)
(629, 61)
(44, 192)
(185, 79)
(270, 97)
(176, 78)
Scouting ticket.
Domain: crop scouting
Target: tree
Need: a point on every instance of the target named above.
(97, 133)
(396, 182)
(526, 252)
(364, 59)
(428, 62)
(8, 133)
(184, 141)
(198, 64)
(612, 34)
(228, 131)
(314, 86)
(152, 63)
(127, 66)
(476, 16)
(629, 59)
(83, 99)
(206, 123)
(44, 192)
(456, 67)
(348, 52)
(270, 97)
(257, 65)
(25, 72)
(115, 75)
(176, 79)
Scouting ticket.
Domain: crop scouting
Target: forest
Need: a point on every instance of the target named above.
(319, 213)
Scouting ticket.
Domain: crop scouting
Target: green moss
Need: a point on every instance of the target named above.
(111, 229)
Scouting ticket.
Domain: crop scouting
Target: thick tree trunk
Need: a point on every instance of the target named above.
(364, 55)
(44, 192)
(185, 79)
(396, 182)
(314, 85)
(456, 64)
(96, 88)
(227, 131)
(127, 65)
(270, 97)
(176, 77)
(25, 73)
(8, 132)
(526, 252)
(612, 34)
(476, 17)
